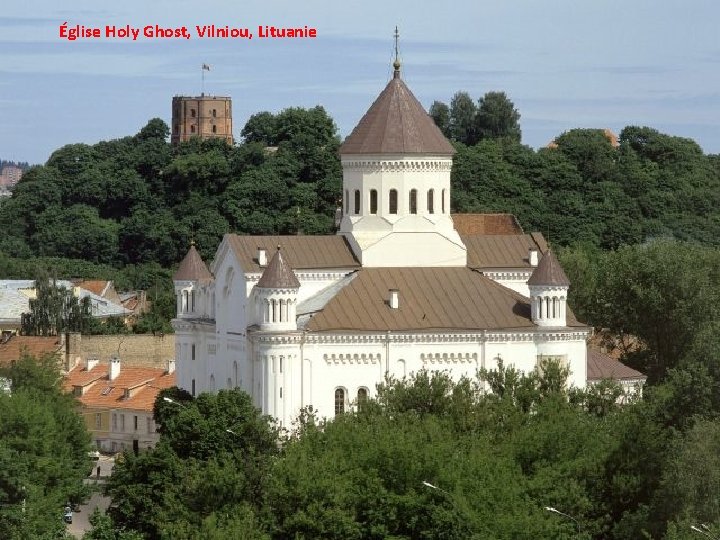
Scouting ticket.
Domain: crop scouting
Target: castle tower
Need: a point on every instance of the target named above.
(548, 286)
(396, 185)
(206, 117)
(276, 296)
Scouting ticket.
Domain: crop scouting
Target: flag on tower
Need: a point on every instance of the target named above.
(206, 67)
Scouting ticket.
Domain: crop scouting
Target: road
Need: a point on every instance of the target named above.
(81, 523)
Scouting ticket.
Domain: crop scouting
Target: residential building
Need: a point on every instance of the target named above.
(116, 402)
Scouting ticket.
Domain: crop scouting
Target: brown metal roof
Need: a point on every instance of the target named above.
(430, 299)
(549, 272)
(471, 224)
(600, 366)
(300, 252)
(502, 250)
(278, 274)
(192, 267)
(396, 123)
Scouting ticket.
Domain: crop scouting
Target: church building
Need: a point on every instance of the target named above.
(403, 286)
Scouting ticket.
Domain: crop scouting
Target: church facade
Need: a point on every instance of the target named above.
(319, 321)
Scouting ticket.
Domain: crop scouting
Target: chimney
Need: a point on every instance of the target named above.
(533, 256)
(261, 256)
(170, 366)
(394, 300)
(91, 362)
(114, 368)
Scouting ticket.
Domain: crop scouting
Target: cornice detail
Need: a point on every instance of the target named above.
(419, 166)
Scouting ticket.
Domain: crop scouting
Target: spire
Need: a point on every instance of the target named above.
(549, 272)
(278, 274)
(396, 63)
(192, 267)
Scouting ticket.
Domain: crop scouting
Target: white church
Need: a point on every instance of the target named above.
(403, 286)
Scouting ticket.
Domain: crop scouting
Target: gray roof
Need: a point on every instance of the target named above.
(13, 302)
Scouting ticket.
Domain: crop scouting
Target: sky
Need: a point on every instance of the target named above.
(564, 63)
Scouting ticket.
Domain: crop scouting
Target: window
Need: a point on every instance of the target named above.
(362, 396)
(214, 113)
(149, 425)
(413, 201)
(392, 207)
(184, 301)
(192, 352)
(192, 301)
(214, 129)
(192, 129)
(114, 425)
(192, 391)
(192, 113)
(339, 400)
(431, 201)
(281, 392)
(357, 201)
(122, 422)
(347, 202)
(136, 423)
(281, 364)
(442, 202)
(373, 201)
(98, 421)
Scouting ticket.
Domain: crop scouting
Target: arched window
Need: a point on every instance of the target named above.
(192, 388)
(547, 307)
(362, 396)
(283, 311)
(185, 301)
(192, 301)
(192, 129)
(235, 372)
(556, 310)
(274, 317)
(214, 129)
(339, 400)
(212, 382)
(229, 383)
(347, 201)
(442, 202)
(431, 201)
(373, 201)
(540, 307)
(357, 201)
(392, 209)
(413, 201)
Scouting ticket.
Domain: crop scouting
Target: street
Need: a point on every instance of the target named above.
(81, 519)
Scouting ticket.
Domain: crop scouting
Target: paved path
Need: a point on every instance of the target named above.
(81, 519)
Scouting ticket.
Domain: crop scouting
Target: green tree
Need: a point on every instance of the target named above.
(440, 113)
(462, 118)
(497, 117)
(55, 310)
(43, 451)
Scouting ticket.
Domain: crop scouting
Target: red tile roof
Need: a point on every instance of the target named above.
(33, 345)
(94, 286)
(143, 385)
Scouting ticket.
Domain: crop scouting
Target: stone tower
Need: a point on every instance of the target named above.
(204, 116)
